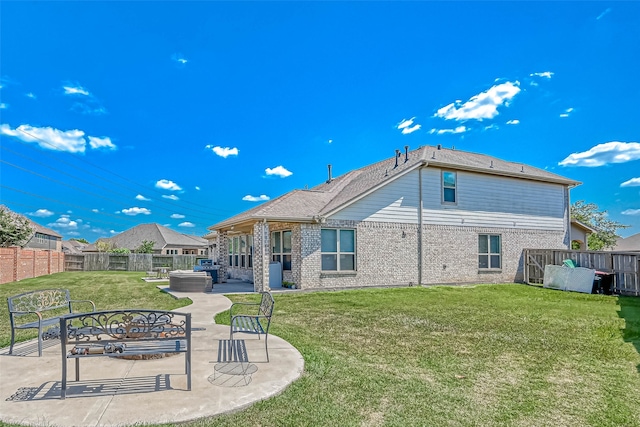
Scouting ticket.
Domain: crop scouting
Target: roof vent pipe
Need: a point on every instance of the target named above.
(406, 153)
(439, 147)
(397, 155)
(330, 179)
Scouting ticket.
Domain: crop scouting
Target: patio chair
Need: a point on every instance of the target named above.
(256, 324)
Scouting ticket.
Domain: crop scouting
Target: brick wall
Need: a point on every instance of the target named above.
(387, 254)
(17, 264)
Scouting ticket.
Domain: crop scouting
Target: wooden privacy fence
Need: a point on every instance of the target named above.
(625, 266)
(128, 262)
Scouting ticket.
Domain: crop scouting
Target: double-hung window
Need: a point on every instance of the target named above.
(243, 251)
(250, 251)
(281, 248)
(489, 251)
(236, 251)
(338, 249)
(449, 193)
(230, 251)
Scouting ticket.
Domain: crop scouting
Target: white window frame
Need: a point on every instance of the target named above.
(339, 251)
(448, 187)
(489, 254)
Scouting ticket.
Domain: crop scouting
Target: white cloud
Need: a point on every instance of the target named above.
(633, 182)
(179, 58)
(136, 211)
(186, 224)
(459, 129)
(603, 154)
(141, 197)
(513, 122)
(75, 90)
(566, 112)
(481, 106)
(405, 123)
(631, 212)
(113, 232)
(171, 197)
(41, 213)
(278, 171)
(177, 216)
(546, 74)
(3, 106)
(30, 95)
(64, 222)
(72, 141)
(607, 10)
(95, 210)
(408, 130)
(259, 198)
(105, 142)
(49, 138)
(166, 184)
(197, 188)
(223, 152)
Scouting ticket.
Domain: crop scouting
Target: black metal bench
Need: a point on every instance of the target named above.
(124, 333)
(38, 310)
(257, 323)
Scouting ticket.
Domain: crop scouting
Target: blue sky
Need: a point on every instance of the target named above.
(114, 114)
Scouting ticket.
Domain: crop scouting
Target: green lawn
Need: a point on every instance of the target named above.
(488, 355)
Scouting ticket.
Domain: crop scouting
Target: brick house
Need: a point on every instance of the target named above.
(431, 215)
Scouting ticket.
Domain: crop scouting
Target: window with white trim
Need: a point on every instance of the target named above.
(449, 193)
(230, 251)
(236, 251)
(281, 248)
(250, 251)
(489, 252)
(338, 249)
(243, 251)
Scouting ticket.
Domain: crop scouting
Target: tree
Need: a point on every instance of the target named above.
(15, 230)
(146, 247)
(606, 229)
(120, 251)
(104, 246)
(81, 240)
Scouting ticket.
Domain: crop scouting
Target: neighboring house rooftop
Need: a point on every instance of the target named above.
(631, 243)
(337, 193)
(160, 235)
(73, 246)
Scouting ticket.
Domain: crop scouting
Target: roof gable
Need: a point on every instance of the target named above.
(336, 194)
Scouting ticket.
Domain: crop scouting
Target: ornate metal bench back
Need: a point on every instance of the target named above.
(125, 324)
(266, 305)
(39, 300)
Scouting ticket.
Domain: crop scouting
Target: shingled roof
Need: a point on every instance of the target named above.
(160, 235)
(333, 195)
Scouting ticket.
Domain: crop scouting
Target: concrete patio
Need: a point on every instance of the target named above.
(117, 392)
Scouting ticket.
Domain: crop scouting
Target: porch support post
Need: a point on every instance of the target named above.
(223, 256)
(261, 257)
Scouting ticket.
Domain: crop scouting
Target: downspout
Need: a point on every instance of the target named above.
(420, 225)
(568, 199)
(265, 235)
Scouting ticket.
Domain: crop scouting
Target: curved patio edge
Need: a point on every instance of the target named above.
(117, 392)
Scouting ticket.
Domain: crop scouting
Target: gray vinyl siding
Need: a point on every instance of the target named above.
(482, 201)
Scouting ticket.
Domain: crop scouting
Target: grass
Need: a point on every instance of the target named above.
(491, 355)
(107, 289)
(487, 355)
